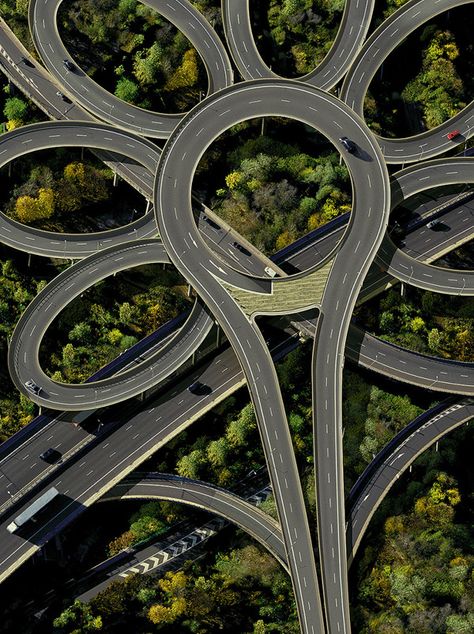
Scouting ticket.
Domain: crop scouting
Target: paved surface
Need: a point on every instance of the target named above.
(213, 271)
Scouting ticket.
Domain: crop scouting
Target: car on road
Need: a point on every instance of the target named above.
(453, 134)
(51, 455)
(240, 248)
(27, 62)
(433, 223)
(68, 64)
(200, 389)
(348, 145)
(32, 387)
(269, 271)
(211, 223)
(63, 96)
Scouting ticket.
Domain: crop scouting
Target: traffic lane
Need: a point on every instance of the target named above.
(407, 269)
(393, 465)
(367, 226)
(131, 443)
(352, 31)
(374, 52)
(33, 78)
(233, 508)
(101, 103)
(433, 373)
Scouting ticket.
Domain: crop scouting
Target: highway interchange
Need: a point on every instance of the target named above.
(210, 271)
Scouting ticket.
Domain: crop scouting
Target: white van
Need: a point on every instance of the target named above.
(269, 271)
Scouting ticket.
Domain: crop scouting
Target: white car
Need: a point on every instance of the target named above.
(32, 387)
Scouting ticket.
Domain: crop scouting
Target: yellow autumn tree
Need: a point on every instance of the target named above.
(75, 171)
(185, 75)
(29, 209)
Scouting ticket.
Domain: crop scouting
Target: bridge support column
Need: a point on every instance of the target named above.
(402, 289)
(218, 335)
(148, 205)
(116, 177)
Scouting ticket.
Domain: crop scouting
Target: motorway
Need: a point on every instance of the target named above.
(364, 499)
(212, 275)
(98, 101)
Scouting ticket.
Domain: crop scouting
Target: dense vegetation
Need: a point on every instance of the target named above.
(47, 192)
(205, 597)
(424, 322)
(109, 318)
(130, 49)
(17, 289)
(435, 84)
(272, 190)
(418, 578)
(297, 34)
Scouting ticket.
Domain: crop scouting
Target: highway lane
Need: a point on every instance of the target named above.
(18, 477)
(106, 106)
(40, 136)
(23, 353)
(366, 63)
(432, 373)
(370, 179)
(408, 269)
(115, 455)
(209, 498)
(389, 464)
(351, 34)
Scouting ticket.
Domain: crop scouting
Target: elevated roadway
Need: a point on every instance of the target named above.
(207, 497)
(102, 104)
(370, 179)
(23, 355)
(351, 34)
(371, 56)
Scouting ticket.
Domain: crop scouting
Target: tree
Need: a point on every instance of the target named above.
(15, 109)
(127, 313)
(81, 333)
(217, 452)
(127, 90)
(29, 209)
(147, 65)
(69, 355)
(185, 75)
(79, 614)
(189, 466)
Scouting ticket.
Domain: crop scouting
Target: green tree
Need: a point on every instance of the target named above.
(189, 466)
(15, 109)
(127, 90)
(79, 614)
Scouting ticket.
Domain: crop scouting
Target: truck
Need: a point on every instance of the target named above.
(33, 509)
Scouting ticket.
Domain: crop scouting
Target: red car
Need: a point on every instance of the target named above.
(453, 134)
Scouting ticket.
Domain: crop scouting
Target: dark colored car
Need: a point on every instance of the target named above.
(348, 145)
(63, 96)
(69, 65)
(50, 455)
(241, 248)
(32, 387)
(199, 388)
(211, 223)
(27, 62)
